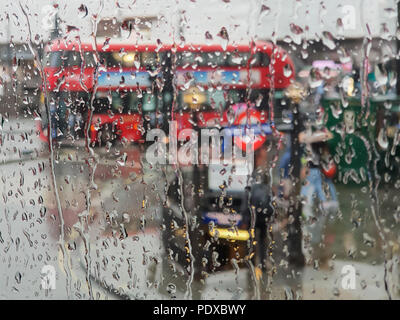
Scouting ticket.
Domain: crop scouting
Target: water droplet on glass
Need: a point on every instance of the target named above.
(264, 11)
(287, 71)
(328, 40)
(18, 277)
(382, 139)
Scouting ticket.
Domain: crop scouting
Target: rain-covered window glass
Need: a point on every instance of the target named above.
(214, 149)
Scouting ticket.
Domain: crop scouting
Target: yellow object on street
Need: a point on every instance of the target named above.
(225, 233)
(258, 272)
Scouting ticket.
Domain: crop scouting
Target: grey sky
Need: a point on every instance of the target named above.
(242, 19)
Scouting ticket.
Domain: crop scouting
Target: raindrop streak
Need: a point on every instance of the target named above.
(52, 159)
(328, 40)
(373, 154)
(251, 33)
(92, 164)
(189, 244)
(188, 293)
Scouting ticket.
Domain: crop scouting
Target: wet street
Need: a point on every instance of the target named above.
(112, 246)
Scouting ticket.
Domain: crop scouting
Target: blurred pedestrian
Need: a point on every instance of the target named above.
(316, 152)
(257, 204)
(284, 168)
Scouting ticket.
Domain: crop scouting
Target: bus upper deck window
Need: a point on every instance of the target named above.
(89, 59)
(149, 59)
(265, 60)
(238, 59)
(109, 60)
(73, 59)
(103, 58)
(124, 59)
(192, 59)
(161, 57)
(53, 59)
(201, 59)
(129, 59)
(256, 59)
(216, 59)
(259, 59)
(185, 59)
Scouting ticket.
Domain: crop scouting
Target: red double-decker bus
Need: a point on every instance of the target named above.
(134, 87)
